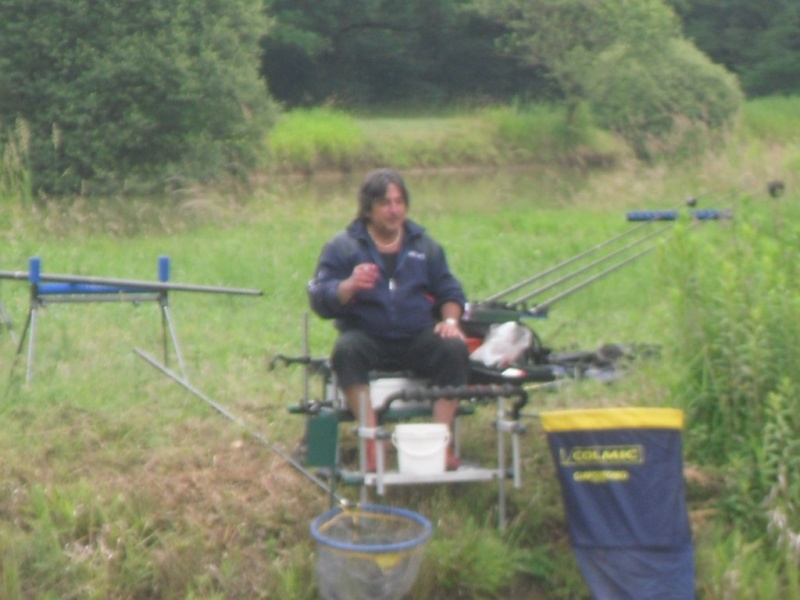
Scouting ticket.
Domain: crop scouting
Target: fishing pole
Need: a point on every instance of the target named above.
(589, 266)
(542, 308)
(649, 218)
(232, 417)
(561, 265)
(645, 217)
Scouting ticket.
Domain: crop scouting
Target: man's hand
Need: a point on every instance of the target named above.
(449, 328)
(363, 277)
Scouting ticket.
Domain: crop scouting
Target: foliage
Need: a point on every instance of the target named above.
(118, 483)
(756, 39)
(565, 36)
(627, 60)
(15, 178)
(320, 138)
(432, 52)
(111, 89)
(540, 133)
(477, 565)
(672, 103)
(360, 53)
(775, 119)
(737, 304)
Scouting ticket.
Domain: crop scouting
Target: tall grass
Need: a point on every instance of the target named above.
(309, 141)
(736, 302)
(773, 118)
(117, 483)
(15, 174)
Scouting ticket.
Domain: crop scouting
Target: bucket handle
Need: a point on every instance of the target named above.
(409, 451)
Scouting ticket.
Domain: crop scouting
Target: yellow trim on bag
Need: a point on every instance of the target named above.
(612, 418)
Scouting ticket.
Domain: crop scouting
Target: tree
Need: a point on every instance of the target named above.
(759, 40)
(673, 102)
(619, 56)
(566, 36)
(368, 52)
(114, 88)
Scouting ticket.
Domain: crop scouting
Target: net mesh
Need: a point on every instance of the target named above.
(369, 553)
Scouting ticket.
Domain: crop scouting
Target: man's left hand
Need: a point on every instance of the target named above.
(449, 328)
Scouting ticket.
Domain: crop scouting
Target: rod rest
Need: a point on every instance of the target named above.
(317, 407)
(318, 365)
(471, 392)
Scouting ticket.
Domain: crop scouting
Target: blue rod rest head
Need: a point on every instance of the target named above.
(34, 269)
(163, 268)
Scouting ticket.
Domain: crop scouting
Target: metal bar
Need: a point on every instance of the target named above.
(565, 263)
(546, 304)
(174, 337)
(131, 283)
(501, 466)
(307, 369)
(229, 415)
(17, 354)
(586, 267)
(644, 217)
(31, 342)
(97, 298)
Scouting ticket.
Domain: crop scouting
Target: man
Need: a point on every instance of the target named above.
(395, 302)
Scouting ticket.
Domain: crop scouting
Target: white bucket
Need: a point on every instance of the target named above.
(382, 388)
(421, 447)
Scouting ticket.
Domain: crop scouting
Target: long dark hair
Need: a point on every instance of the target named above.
(374, 188)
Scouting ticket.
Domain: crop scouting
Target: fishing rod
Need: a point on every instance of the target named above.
(230, 416)
(480, 311)
(589, 266)
(562, 265)
(541, 308)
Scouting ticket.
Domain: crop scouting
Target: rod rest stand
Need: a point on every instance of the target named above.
(463, 392)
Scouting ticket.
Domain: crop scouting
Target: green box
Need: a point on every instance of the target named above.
(322, 439)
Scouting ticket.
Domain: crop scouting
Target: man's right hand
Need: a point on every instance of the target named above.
(363, 277)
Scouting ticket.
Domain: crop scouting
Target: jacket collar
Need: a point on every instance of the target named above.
(358, 229)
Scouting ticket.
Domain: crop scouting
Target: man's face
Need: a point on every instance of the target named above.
(388, 214)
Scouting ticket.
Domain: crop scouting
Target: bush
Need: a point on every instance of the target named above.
(115, 89)
(675, 103)
(737, 310)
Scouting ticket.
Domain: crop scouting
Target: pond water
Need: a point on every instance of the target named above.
(471, 187)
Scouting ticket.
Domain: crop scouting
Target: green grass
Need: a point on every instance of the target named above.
(775, 119)
(321, 139)
(118, 483)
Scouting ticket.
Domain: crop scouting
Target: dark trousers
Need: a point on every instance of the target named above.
(444, 361)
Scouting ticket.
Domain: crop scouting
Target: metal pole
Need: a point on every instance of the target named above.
(501, 465)
(563, 264)
(31, 342)
(229, 415)
(592, 264)
(132, 283)
(545, 305)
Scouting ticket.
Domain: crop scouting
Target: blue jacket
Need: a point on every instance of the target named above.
(395, 308)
